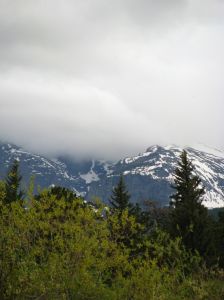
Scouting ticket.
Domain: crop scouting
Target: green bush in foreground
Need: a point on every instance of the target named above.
(59, 249)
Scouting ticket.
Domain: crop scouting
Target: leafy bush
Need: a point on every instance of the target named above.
(60, 249)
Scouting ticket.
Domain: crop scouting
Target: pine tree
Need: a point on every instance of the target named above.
(12, 184)
(120, 196)
(188, 186)
(189, 218)
(120, 201)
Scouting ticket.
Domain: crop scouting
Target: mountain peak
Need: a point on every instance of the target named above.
(148, 175)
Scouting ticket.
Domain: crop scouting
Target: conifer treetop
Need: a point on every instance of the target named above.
(120, 196)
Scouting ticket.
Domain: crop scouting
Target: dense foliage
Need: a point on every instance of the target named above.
(57, 246)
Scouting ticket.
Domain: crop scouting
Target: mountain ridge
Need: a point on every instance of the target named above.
(148, 175)
(151, 172)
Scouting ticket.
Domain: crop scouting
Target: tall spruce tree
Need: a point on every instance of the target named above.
(120, 196)
(13, 183)
(189, 218)
(188, 186)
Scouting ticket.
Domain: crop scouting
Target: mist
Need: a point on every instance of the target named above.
(108, 79)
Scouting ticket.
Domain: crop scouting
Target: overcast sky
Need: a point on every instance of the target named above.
(110, 78)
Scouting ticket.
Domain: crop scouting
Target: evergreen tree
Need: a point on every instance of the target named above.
(120, 196)
(12, 184)
(120, 202)
(189, 218)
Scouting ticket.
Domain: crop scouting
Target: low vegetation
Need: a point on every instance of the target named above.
(54, 245)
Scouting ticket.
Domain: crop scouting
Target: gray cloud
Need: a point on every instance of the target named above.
(109, 78)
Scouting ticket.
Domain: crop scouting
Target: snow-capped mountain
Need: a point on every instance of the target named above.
(61, 171)
(148, 176)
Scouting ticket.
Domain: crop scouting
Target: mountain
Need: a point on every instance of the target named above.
(63, 171)
(148, 176)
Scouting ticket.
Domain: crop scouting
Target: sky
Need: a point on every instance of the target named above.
(107, 79)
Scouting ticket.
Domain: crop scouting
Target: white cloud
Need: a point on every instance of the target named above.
(96, 77)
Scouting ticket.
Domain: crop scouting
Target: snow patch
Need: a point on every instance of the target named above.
(91, 175)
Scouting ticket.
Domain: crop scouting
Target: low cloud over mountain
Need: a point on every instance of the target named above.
(111, 77)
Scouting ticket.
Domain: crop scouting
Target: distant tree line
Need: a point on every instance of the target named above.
(55, 245)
